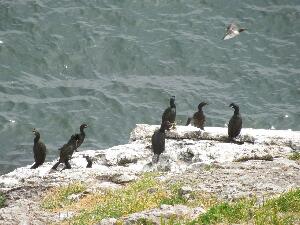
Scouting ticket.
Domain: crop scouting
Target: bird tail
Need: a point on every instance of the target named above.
(188, 121)
(34, 166)
(155, 158)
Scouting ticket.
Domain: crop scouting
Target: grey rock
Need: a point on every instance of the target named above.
(123, 178)
(108, 221)
(165, 212)
(185, 192)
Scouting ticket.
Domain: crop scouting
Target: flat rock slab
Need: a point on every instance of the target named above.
(229, 181)
(257, 136)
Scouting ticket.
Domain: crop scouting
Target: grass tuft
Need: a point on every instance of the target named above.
(58, 197)
(2, 200)
(144, 194)
(174, 197)
(283, 210)
(294, 156)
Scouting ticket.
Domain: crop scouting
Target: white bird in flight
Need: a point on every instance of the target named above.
(232, 31)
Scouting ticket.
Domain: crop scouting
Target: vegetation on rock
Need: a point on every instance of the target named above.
(2, 200)
(295, 156)
(145, 193)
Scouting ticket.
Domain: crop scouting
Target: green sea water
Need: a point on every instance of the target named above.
(115, 63)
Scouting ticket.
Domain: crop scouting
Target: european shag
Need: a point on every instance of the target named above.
(235, 123)
(232, 31)
(158, 140)
(39, 150)
(81, 135)
(66, 152)
(89, 161)
(198, 119)
(170, 113)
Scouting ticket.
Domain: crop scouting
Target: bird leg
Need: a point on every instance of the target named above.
(173, 127)
(56, 165)
(67, 165)
(34, 166)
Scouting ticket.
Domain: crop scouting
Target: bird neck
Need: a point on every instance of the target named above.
(82, 130)
(162, 129)
(236, 111)
(37, 138)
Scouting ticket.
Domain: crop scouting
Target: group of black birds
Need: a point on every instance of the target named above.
(197, 120)
(158, 137)
(65, 152)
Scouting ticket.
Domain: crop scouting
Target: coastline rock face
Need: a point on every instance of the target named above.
(203, 160)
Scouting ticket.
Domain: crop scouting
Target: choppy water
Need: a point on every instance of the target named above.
(113, 64)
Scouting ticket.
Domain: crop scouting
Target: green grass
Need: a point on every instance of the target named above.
(294, 156)
(58, 197)
(283, 210)
(175, 197)
(144, 194)
(148, 192)
(2, 200)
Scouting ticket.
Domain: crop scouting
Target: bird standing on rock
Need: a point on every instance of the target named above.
(198, 119)
(232, 31)
(89, 161)
(66, 152)
(81, 135)
(170, 112)
(39, 150)
(235, 123)
(158, 140)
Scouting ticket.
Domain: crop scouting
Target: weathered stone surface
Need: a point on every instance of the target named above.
(257, 136)
(108, 221)
(202, 160)
(165, 212)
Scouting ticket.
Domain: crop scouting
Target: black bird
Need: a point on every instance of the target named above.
(66, 152)
(89, 161)
(170, 112)
(39, 150)
(81, 135)
(158, 140)
(235, 123)
(198, 119)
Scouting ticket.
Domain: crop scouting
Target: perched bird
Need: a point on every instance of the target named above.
(66, 152)
(198, 118)
(232, 31)
(39, 150)
(81, 135)
(89, 161)
(158, 140)
(170, 112)
(235, 123)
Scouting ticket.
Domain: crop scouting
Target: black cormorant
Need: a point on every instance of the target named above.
(158, 140)
(81, 135)
(232, 31)
(39, 150)
(198, 118)
(235, 123)
(66, 152)
(89, 161)
(170, 113)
